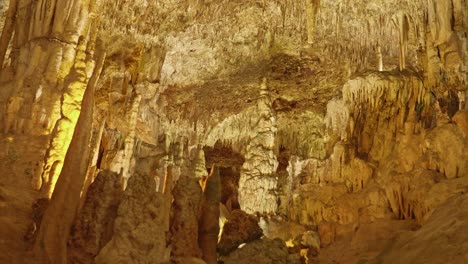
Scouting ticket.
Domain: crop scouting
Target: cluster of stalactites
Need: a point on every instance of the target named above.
(383, 106)
(372, 35)
(337, 118)
(391, 93)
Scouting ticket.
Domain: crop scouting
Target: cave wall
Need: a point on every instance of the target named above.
(341, 112)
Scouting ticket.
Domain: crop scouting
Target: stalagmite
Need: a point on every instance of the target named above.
(209, 220)
(93, 227)
(141, 225)
(380, 58)
(257, 180)
(188, 198)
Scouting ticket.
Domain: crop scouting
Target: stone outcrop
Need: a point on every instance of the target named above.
(263, 251)
(42, 91)
(240, 228)
(382, 155)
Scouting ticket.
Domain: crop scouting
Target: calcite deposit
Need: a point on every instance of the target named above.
(233, 131)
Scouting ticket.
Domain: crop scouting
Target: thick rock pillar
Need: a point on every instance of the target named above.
(209, 221)
(39, 82)
(51, 242)
(258, 181)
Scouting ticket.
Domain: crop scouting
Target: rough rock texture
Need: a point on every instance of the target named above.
(363, 120)
(51, 241)
(140, 226)
(257, 182)
(19, 160)
(364, 243)
(461, 119)
(442, 239)
(94, 227)
(186, 211)
(311, 239)
(240, 228)
(209, 219)
(393, 147)
(327, 233)
(280, 228)
(263, 251)
(41, 91)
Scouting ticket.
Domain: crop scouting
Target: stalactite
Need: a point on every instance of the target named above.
(94, 155)
(168, 179)
(312, 7)
(8, 29)
(130, 139)
(97, 142)
(400, 21)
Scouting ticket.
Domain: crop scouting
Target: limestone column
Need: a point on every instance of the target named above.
(258, 181)
(209, 221)
(45, 37)
(51, 242)
(186, 209)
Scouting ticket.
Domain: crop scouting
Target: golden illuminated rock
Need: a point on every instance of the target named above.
(339, 121)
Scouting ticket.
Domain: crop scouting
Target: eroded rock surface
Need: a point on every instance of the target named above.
(187, 205)
(344, 117)
(264, 251)
(95, 225)
(141, 225)
(442, 239)
(240, 228)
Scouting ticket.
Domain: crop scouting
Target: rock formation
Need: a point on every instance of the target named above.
(140, 226)
(187, 209)
(209, 223)
(263, 251)
(95, 225)
(239, 229)
(332, 122)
